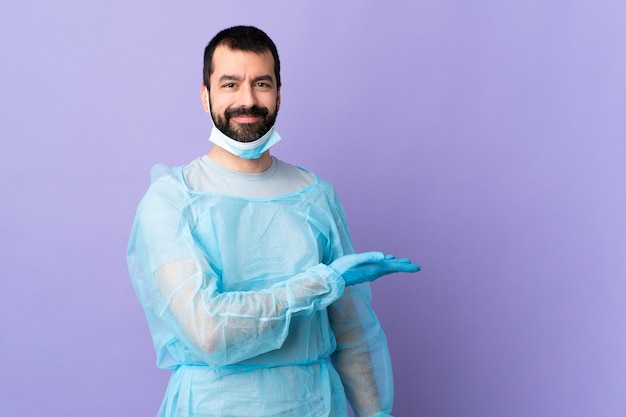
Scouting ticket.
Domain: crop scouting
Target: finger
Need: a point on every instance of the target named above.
(403, 260)
(410, 268)
(402, 265)
(370, 257)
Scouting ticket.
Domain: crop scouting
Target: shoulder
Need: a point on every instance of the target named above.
(320, 188)
(167, 188)
(306, 175)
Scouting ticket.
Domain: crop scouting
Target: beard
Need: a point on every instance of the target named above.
(245, 132)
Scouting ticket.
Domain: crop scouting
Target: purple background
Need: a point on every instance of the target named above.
(483, 139)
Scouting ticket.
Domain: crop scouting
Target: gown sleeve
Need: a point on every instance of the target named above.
(362, 355)
(179, 290)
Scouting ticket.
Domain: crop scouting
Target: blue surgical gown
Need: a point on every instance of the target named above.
(244, 310)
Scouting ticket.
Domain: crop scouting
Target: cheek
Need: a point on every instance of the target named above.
(272, 103)
(217, 106)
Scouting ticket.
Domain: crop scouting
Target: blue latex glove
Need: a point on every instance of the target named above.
(368, 266)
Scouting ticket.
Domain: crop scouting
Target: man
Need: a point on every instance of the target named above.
(244, 266)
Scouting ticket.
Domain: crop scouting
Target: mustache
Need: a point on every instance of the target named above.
(246, 111)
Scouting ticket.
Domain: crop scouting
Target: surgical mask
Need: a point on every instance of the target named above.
(246, 150)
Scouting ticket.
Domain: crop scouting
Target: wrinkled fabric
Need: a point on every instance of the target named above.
(247, 150)
(244, 310)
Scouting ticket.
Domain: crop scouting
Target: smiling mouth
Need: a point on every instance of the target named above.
(245, 119)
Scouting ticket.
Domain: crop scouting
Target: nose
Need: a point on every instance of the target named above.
(247, 97)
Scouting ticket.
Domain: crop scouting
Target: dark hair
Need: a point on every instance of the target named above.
(240, 38)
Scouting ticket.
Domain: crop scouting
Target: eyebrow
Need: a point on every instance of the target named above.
(227, 77)
(264, 78)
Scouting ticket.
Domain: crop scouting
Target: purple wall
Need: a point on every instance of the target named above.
(484, 139)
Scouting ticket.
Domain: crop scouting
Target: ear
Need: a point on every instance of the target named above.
(204, 98)
(278, 99)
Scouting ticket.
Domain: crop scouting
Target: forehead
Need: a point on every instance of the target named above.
(243, 64)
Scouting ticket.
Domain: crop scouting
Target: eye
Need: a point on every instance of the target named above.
(264, 85)
(228, 85)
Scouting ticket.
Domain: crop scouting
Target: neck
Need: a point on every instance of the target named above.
(237, 164)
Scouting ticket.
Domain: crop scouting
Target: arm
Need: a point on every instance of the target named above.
(362, 357)
(227, 327)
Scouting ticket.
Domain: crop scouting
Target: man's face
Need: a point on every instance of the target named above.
(243, 93)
